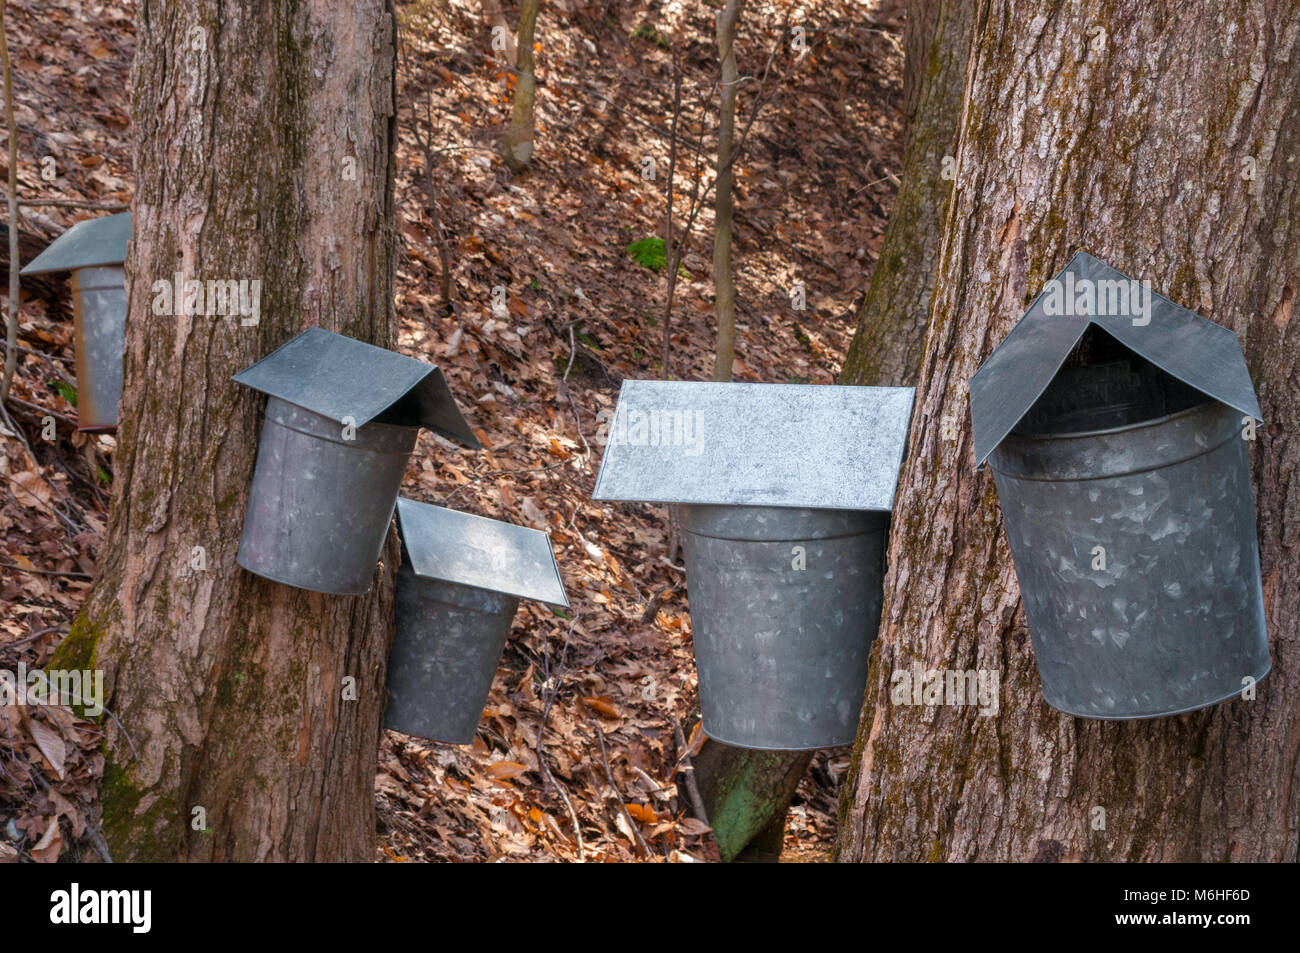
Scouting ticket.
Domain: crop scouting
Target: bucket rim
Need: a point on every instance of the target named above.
(239, 561)
(878, 522)
(753, 747)
(417, 578)
(1124, 428)
(1163, 714)
(1042, 443)
(375, 431)
(437, 741)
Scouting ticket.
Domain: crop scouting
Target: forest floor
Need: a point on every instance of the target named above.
(548, 313)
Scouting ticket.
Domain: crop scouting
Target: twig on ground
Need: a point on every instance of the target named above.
(33, 637)
(11, 356)
(47, 572)
(686, 768)
(609, 774)
(76, 203)
(550, 691)
(41, 410)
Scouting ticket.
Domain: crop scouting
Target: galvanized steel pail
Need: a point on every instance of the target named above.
(446, 649)
(784, 605)
(321, 504)
(1127, 502)
(99, 327)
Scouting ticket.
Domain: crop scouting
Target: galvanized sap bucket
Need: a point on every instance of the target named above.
(342, 417)
(785, 492)
(94, 251)
(1116, 442)
(458, 587)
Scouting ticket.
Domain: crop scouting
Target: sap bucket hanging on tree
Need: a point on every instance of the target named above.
(94, 251)
(342, 417)
(785, 492)
(460, 582)
(1117, 424)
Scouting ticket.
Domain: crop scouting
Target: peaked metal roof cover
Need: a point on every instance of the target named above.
(338, 376)
(794, 445)
(96, 241)
(469, 550)
(1180, 342)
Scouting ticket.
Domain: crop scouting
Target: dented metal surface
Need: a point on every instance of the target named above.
(460, 583)
(1127, 502)
(784, 606)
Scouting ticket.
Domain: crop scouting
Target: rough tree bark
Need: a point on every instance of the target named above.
(1171, 154)
(264, 137)
(517, 145)
(887, 346)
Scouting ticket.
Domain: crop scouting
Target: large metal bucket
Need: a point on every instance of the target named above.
(446, 649)
(99, 328)
(782, 650)
(1136, 474)
(320, 505)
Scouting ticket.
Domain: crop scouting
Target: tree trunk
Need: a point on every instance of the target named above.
(264, 138)
(518, 143)
(919, 41)
(1170, 154)
(887, 346)
(724, 284)
(746, 794)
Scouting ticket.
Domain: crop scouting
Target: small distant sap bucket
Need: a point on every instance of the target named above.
(781, 650)
(320, 505)
(99, 329)
(1132, 467)
(446, 649)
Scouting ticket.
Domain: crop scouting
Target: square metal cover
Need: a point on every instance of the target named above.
(88, 244)
(470, 550)
(794, 445)
(340, 377)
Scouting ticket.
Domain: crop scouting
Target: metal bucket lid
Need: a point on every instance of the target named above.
(1184, 345)
(468, 550)
(96, 241)
(350, 381)
(784, 445)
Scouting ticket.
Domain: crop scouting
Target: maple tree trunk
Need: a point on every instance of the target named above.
(1170, 154)
(919, 41)
(264, 138)
(887, 346)
(517, 145)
